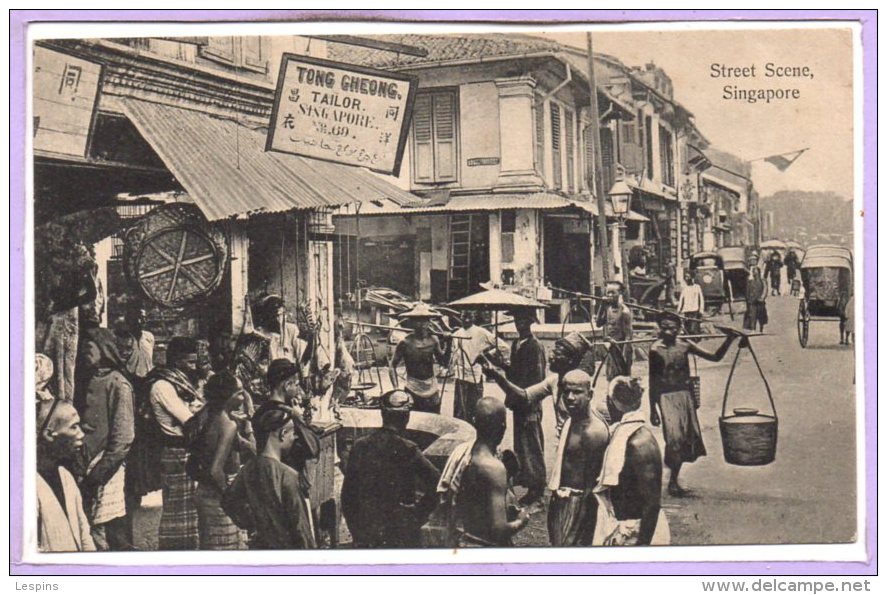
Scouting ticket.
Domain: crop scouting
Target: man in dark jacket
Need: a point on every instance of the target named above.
(527, 369)
(390, 488)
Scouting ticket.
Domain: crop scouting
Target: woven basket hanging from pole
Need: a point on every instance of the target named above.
(175, 256)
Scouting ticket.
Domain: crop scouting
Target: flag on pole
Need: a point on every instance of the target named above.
(784, 160)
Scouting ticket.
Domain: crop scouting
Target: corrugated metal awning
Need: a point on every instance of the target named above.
(650, 187)
(224, 167)
(543, 201)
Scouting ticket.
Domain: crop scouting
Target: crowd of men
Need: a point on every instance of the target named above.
(227, 438)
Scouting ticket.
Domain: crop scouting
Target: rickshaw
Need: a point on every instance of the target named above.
(827, 277)
(707, 269)
(736, 269)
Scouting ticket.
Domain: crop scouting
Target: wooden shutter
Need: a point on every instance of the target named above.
(666, 156)
(539, 155)
(423, 150)
(445, 159)
(556, 146)
(648, 126)
(253, 56)
(221, 48)
(607, 159)
(569, 145)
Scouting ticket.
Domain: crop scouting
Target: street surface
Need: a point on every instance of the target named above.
(807, 495)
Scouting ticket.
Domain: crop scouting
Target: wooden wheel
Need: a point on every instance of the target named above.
(803, 323)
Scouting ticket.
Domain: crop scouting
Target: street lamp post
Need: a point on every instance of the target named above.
(620, 197)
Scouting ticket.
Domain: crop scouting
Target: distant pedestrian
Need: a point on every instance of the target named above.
(774, 271)
(792, 263)
(691, 304)
(616, 320)
(755, 302)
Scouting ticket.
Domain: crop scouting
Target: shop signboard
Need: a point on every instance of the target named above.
(65, 93)
(342, 113)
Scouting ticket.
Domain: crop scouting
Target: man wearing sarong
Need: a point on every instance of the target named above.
(390, 488)
(109, 420)
(616, 321)
(488, 517)
(174, 400)
(215, 457)
(418, 351)
(572, 510)
(755, 302)
(62, 525)
(266, 497)
(670, 395)
(526, 369)
(469, 342)
(629, 490)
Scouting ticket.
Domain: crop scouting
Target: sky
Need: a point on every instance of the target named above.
(821, 118)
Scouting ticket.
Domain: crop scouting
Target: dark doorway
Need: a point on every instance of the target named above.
(567, 253)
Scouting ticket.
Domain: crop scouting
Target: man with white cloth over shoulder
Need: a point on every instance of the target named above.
(629, 488)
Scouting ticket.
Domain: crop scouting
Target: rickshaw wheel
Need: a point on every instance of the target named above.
(803, 323)
(730, 299)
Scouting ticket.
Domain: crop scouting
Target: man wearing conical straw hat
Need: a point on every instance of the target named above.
(418, 352)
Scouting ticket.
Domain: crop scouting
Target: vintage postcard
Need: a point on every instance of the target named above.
(483, 293)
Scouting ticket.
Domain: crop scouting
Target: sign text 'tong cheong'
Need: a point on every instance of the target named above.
(338, 112)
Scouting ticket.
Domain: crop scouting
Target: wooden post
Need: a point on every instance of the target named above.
(596, 174)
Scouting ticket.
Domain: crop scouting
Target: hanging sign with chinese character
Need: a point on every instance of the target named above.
(65, 91)
(339, 112)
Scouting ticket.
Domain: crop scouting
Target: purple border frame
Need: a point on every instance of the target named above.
(20, 19)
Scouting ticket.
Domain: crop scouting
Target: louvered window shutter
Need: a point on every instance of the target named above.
(423, 150)
(221, 47)
(607, 158)
(556, 146)
(539, 114)
(252, 53)
(445, 159)
(568, 147)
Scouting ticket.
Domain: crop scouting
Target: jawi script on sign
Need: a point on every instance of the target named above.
(338, 112)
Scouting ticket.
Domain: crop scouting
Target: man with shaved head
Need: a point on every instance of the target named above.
(487, 516)
(572, 510)
(62, 525)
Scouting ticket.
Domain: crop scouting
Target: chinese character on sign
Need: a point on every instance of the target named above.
(294, 95)
(392, 112)
(288, 122)
(385, 138)
(70, 79)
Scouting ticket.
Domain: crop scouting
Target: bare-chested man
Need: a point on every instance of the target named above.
(418, 351)
(572, 511)
(629, 490)
(488, 518)
(670, 394)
